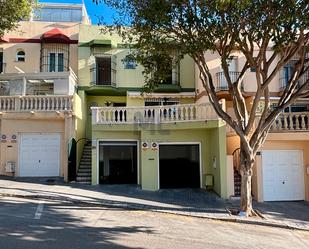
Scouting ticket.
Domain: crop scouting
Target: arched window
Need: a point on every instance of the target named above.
(20, 55)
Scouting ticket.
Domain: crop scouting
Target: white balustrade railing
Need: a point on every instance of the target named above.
(35, 103)
(297, 121)
(285, 122)
(153, 114)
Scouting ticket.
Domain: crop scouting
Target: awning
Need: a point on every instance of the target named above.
(161, 95)
(55, 36)
(4, 39)
(97, 43)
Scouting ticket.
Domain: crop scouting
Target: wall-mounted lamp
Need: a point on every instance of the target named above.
(214, 162)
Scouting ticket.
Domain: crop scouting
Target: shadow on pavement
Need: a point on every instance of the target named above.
(57, 229)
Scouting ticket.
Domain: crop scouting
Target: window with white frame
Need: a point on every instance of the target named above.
(20, 55)
(56, 62)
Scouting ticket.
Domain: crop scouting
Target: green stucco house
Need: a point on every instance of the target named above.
(164, 139)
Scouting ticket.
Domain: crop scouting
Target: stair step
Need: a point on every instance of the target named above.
(88, 167)
(82, 170)
(83, 178)
(84, 174)
(84, 182)
(87, 153)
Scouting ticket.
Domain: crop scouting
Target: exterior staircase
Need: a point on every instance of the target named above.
(237, 183)
(237, 176)
(84, 169)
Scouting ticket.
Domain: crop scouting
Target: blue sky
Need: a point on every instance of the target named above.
(93, 10)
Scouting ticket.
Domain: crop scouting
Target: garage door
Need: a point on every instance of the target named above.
(283, 175)
(39, 155)
(118, 162)
(179, 166)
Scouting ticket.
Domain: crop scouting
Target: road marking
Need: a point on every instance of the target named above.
(39, 210)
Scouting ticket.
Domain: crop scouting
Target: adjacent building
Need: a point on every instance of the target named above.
(281, 172)
(38, 81)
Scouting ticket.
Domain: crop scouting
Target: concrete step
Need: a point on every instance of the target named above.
(86, 155)
(85, 182)
(84, 174)
(84, 170)
(83, 178)
(84, 167)
(85, 163)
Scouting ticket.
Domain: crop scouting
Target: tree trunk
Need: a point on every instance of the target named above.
(246, 198)
(246, 168)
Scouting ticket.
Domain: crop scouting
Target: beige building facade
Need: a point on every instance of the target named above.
(38, 81)
(281, 172)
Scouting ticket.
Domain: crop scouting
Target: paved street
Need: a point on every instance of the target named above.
(26, 223)
(187, 202)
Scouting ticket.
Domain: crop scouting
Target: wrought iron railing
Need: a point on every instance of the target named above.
(284, 80)
(222, 84)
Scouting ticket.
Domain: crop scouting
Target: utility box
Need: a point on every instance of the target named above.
(209, 181)
(10, 167)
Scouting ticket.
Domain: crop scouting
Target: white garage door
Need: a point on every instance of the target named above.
(283, 175)
(39, 155)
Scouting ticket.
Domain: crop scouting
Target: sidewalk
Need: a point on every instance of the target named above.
(188, 202)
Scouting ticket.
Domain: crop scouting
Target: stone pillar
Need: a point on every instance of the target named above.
(68, 134)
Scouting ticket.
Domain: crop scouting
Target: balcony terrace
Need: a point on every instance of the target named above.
(43, 91)
(291, 122)
(153, 114)
(42, 83)
(285, 122)
(35, 103)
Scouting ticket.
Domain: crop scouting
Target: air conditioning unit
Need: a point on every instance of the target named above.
(10, 167)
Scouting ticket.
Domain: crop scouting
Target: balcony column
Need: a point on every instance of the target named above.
(24, 86)
(303, 124)
(157, 116)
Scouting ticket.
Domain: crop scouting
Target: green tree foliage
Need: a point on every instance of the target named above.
(13, 11)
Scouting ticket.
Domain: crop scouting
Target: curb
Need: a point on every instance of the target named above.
(149, 208)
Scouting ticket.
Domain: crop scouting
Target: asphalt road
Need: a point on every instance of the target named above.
(46, 224)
